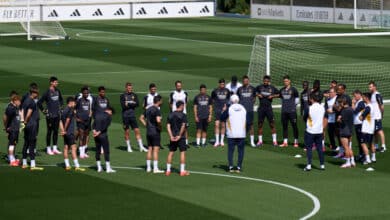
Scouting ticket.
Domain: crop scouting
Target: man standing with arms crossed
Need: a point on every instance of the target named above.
(266, 93)
(53, 99)
(129, 102)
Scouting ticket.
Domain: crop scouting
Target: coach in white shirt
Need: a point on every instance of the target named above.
(235, 117)
(315, 122)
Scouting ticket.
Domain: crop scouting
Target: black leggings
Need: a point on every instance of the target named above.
(30, 140)
(101, 141)
(52, 129)
(292, 117)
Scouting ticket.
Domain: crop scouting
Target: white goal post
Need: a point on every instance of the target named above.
(350, 58)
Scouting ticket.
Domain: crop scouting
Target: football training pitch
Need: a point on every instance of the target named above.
(195, 51)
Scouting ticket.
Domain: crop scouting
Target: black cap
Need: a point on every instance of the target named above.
(234, 79)
(221, 81)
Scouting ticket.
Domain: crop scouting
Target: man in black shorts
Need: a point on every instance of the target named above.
(220, 97)
(11, 121)
(31, 117)
(67, 131)
(290, 99)
(202, 113)
(176, 127)
(129, 102)
(266, 93)
(152, 120)
(53, 99)
(83, 119)
(247, 95)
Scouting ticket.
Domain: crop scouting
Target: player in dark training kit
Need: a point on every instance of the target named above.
(266, 93)
(11, 121)
(152, 120)
(220, 97)
(67, 125)
(176, 127)
(31, 117)
(100, 134)
(202, 111)
(345, 119)
(83, 119)
(290, 99)
(53, 99)
(129, 102)
(304, 100)
(100, 103)
(247, 95)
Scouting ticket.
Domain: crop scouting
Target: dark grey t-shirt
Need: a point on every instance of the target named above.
(176, 120)
(346, 124)
(202, 103)
(151, 115)
(288, 96)
(247, 95)
(266, 91)
(220, 97)
(68, 113)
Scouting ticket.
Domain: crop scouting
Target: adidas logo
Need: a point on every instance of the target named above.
(53, 14)
(183, 10)
(205, 9)
(76, 13)
(141, 11)
(363, 18)
(163, 11)
(97, 13)
(341, 17)
(351, 17)
(119, 12)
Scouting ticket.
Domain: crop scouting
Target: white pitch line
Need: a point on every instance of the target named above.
(315, 200)
(85, 35)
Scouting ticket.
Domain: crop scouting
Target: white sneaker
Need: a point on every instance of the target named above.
(129, 150)
(158, 171)
(142, 149)
(55, 151)
(253, 145)
(109, 170)
(49, 152)
(99, 169)
(322, 167)
(148, 170)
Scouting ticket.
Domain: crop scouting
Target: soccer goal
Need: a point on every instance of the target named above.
(22, 17)
(350, 58)
(371, 14)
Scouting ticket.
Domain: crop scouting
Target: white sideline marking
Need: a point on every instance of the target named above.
(85, 35)
(316, 201)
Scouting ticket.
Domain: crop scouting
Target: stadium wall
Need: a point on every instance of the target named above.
(315, 14)
(61, 10)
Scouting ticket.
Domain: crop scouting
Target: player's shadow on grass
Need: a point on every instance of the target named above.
(122, 148)
(222, 167)
(300, 165)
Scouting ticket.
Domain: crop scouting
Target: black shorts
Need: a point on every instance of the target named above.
(265, 113)
(84, 125)
(359, 135)
(203, 124)
(218, 114)
(343, 135)
(249, 118)
(378, 125)
(13, 137)
(181, 144)
(367, 138)
(153, 140)
(69, 140)
(129, 122)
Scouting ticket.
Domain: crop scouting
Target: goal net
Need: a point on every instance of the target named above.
(22, 17)
(371, 14)
(353, 59)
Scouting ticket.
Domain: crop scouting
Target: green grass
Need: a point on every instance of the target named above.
(162, 51)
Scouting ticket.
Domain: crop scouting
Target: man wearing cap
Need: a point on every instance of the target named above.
(235, 117)
(233, 85)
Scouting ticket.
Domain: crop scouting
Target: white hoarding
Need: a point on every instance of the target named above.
(280, 12)
(312, 14)
(173, 10)
(18, 14)
(86, 12)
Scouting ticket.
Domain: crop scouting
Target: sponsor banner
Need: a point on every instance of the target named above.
(86, 12)
(18, 14)
(173, 10)
(365, 17)
(280, 12)
(312, 14)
